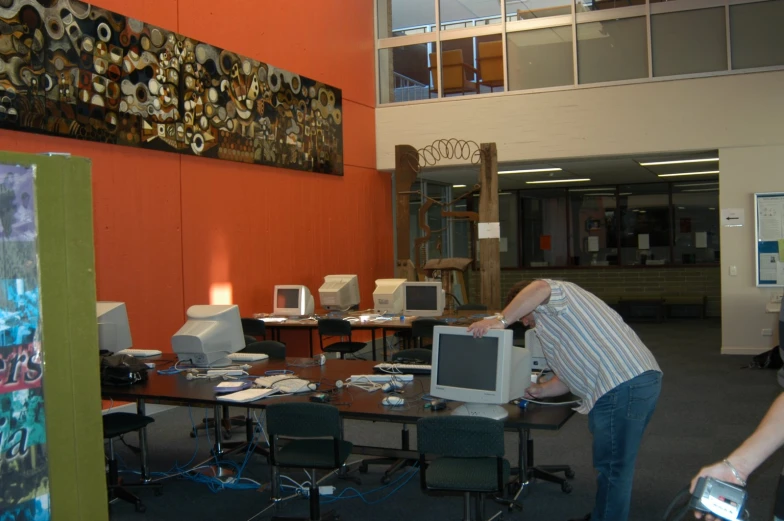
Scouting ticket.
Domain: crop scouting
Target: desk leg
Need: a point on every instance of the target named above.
(140, 408)
(218, 449)
(523, 457)
(373, 342)
(310, 341)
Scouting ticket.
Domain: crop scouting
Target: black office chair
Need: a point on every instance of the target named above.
(306, 436)
(337, 327)
(118, 424)
(254, 327)
(413, 356)
(470, 459)
(422, 329)
(276, 350)
(471, 307)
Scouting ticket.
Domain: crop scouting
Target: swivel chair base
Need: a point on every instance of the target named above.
(315, 511)
(545, 473)
(122, 491)
(228, 423)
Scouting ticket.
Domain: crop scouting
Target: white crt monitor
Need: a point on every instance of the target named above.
(388, 295)
(538, 360)
(423, 299)
(485, 373)
(339, 292)
(292, 300)
(114, 332)
(209, 335)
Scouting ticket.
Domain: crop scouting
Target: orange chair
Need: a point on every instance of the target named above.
(491, 64)
(456, 73)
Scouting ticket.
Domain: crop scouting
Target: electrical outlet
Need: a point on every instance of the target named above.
(733, 271)
(776, 298)
(767, 332)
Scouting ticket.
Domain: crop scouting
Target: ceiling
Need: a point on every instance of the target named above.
(600, 171)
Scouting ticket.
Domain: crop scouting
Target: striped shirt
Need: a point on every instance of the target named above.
(587, 344)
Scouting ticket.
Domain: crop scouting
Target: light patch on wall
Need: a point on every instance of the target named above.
(221, 293)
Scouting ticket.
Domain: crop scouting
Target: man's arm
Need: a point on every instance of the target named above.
(532, 296)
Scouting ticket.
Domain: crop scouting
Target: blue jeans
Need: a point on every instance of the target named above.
(617, 422)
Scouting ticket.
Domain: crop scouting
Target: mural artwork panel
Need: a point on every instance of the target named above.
(75, 70)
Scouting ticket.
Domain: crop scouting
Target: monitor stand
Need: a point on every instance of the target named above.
(484, 410)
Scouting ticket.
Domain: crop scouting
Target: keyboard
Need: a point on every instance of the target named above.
(273, 319)
(380, 378)
(247, 357)
(388, 368)
(139, 353)
(248, 395)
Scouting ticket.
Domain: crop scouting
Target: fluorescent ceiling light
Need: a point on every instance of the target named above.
(701, 190)
(625, 193)
(711, 208)
(504, 193)
(681, 208)
(599, 195)
(589, 189)
(681, 161)
(706, 172)
(557, 181)
(458, 186)
(705, 183)
(530, 171)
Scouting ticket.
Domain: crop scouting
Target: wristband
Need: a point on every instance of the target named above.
(501, 319)
(735, 472)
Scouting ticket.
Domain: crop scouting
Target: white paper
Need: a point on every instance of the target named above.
(771, 218)
(593, 243)
(733, 216)
(768, 266)
(643, 241)
(504, 247)
(701, 239)
(489, 230)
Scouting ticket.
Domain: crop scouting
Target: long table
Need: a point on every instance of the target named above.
(357, 404)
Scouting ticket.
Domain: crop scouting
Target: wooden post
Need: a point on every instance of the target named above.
(489, 248)
(406, 161)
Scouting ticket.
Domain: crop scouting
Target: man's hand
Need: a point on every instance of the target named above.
(483, 326)
(719, 471)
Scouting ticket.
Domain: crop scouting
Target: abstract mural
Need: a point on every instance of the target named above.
(75, 70)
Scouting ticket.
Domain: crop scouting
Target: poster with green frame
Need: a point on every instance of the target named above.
(769, 239)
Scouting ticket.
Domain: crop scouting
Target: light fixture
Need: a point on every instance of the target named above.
(530, 170)
(704, 183)
(625, 193)
(711, 208)
(589, 189)
(681, 161)
(504, 193)
(458, 186)
(599, 195)
(557, 181)
(681, 208)
(706, 172)
(701, 190)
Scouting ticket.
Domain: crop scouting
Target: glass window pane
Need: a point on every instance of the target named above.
(533, 9)
(540, 58)
(458, 68)
(490, 63)
(544, 227)
(612, 50)
(402, 17)
(459, 14)
(593, 227)
(696, 233)
(507, 215)
(756, 34)
(404, 74)
(600, 5)
(689, 42)
(645, 224)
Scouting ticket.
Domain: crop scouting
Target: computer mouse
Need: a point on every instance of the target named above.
(437, 405)
(390, 387)
(393, 401)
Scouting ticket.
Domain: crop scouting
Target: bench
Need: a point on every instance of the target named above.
(686, 305)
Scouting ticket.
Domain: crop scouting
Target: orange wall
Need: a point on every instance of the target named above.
(168, 227)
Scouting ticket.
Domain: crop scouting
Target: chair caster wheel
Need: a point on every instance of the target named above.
(140, 507)
(385, 479)
(566, 487)
(569, 474)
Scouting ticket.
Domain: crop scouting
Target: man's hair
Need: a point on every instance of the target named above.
(514, 290)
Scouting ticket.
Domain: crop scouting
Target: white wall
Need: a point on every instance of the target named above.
(694, 114)
(745, 171)
(741, 115)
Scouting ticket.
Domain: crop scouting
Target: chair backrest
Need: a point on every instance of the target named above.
(423, 355)
(249, 340)
(471, 307)
(303, 420)
(253, 327)
(491, 61)
(334, 327)
(423, 327)
(275, 350)
(460, 436)
(452, 69)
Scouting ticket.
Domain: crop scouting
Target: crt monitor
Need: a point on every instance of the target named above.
(114, 332)
(209, 335)
(339, 293)
(292, 300)
(423, 299)
(538, 360)
(485, 373)
(388, 295)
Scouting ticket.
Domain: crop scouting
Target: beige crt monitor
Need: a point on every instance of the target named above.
(339, 292)
(114, 332)
(388, 295)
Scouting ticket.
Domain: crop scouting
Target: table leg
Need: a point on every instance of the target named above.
(218, 449)
(523, 456)
(373, 342)
(384, 342)
(140, 408)
(310, 341)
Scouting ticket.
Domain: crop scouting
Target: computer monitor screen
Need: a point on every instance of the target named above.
(423, 299)
(209, 335)
(485, 373)
(388, 295)
(292, 300)
(114, 332)
(339, 293)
